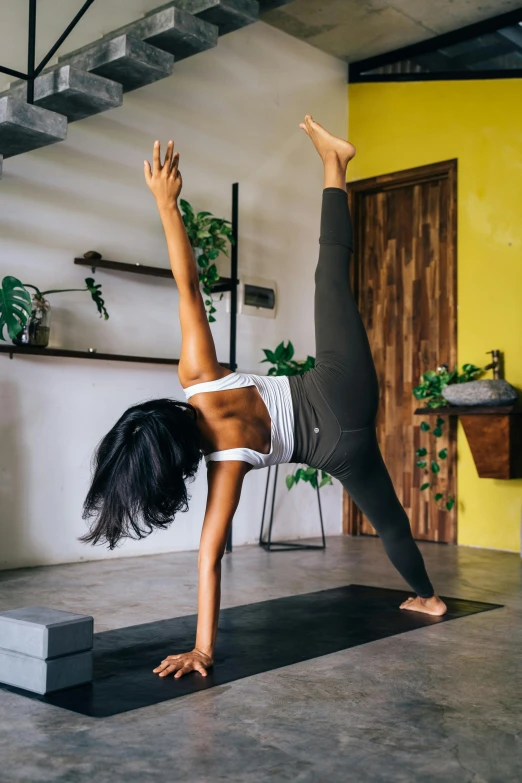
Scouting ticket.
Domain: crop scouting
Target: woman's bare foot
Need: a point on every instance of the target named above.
(326, 144)
(431, 605)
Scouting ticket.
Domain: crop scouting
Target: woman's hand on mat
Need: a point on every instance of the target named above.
(194, 661)
(164, 179)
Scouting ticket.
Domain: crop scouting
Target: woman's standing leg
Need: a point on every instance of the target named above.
(348, 381)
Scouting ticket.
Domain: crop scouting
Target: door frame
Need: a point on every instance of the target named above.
(446, 169)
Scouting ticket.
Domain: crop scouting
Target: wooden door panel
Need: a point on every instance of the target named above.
(404, 279)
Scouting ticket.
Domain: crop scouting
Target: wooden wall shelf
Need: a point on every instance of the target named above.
(223, 284)
(494, 435)
(15, 350)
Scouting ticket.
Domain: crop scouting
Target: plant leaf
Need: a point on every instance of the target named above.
(437, 432)
(450, 503)
(435, 467)
(439, 496)
(15, 306)
(95, 291)
(443, 453)
(425, 486)
(290, 481)
(425, 427)
(421, 452)
(421, 463)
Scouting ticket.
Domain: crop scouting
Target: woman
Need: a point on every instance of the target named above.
(324, 418)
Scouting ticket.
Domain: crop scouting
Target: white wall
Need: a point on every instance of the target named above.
(233, 113)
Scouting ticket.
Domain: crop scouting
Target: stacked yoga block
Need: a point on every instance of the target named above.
(44, 650)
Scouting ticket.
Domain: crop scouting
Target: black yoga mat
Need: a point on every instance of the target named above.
(253, 638)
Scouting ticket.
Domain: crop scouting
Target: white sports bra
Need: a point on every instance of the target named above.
(275, 393)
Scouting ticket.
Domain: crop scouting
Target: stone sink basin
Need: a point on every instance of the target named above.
(490, 392)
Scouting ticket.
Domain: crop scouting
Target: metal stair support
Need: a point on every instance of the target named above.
(75, 94)
(24, 127)
(227, 15)
(93, 78)
(269, 5)
(124, 59)
(174, 31)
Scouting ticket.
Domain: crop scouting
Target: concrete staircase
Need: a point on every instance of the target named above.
(93, 79)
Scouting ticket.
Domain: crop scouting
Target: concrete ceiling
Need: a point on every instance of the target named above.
(356, 29)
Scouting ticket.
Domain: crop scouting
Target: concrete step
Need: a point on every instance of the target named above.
(24, 128)
(71, 92)
(124, 59)
(227, 15)
(174, 31)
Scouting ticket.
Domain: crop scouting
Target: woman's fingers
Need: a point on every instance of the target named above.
(180, 665)
(167, 164)
(184, 670)
(156, 158)
(175, 164)
(147, 171)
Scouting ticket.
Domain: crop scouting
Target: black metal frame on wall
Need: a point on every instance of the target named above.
(32, 70)
(361, 70)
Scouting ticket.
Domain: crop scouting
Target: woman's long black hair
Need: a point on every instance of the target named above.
(141, 468)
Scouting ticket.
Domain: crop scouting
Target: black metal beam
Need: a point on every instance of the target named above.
(31, 48)
(233, 276)
(32, 71)
(448, 76)
(12, 72)
(233, 298)
(358, 70)
(85, 7)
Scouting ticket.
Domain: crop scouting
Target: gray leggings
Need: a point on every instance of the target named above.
(335, 404)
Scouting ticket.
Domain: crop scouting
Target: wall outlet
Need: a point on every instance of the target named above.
(256, 296)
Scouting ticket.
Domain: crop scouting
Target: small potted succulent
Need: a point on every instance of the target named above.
(27, 318)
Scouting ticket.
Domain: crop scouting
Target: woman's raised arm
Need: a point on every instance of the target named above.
(198, 360)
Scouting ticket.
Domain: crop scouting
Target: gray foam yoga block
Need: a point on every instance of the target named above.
(45, 633)
(39, 676)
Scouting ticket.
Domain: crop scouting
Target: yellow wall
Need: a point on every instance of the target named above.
(399, 126)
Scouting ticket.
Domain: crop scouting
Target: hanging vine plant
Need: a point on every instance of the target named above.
(429, 457)
(209, 236)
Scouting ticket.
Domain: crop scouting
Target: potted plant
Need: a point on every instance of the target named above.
(209, 236)
(27, 317)
(284, 364)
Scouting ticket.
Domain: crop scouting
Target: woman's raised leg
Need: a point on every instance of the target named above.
(348, 380)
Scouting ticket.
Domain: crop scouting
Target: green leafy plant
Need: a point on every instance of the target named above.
(284, 364)
(16, 302)
(428, 461)
(209, 236)
(429, 391)
(15, 307)
(433, 382)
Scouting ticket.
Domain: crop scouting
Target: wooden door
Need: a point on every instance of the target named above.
(404, 277)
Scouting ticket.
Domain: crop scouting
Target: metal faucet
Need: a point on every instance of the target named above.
(496, 364)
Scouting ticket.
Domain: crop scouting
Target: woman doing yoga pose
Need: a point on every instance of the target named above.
(324, 418)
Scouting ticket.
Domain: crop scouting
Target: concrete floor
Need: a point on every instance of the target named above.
(438, 704)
